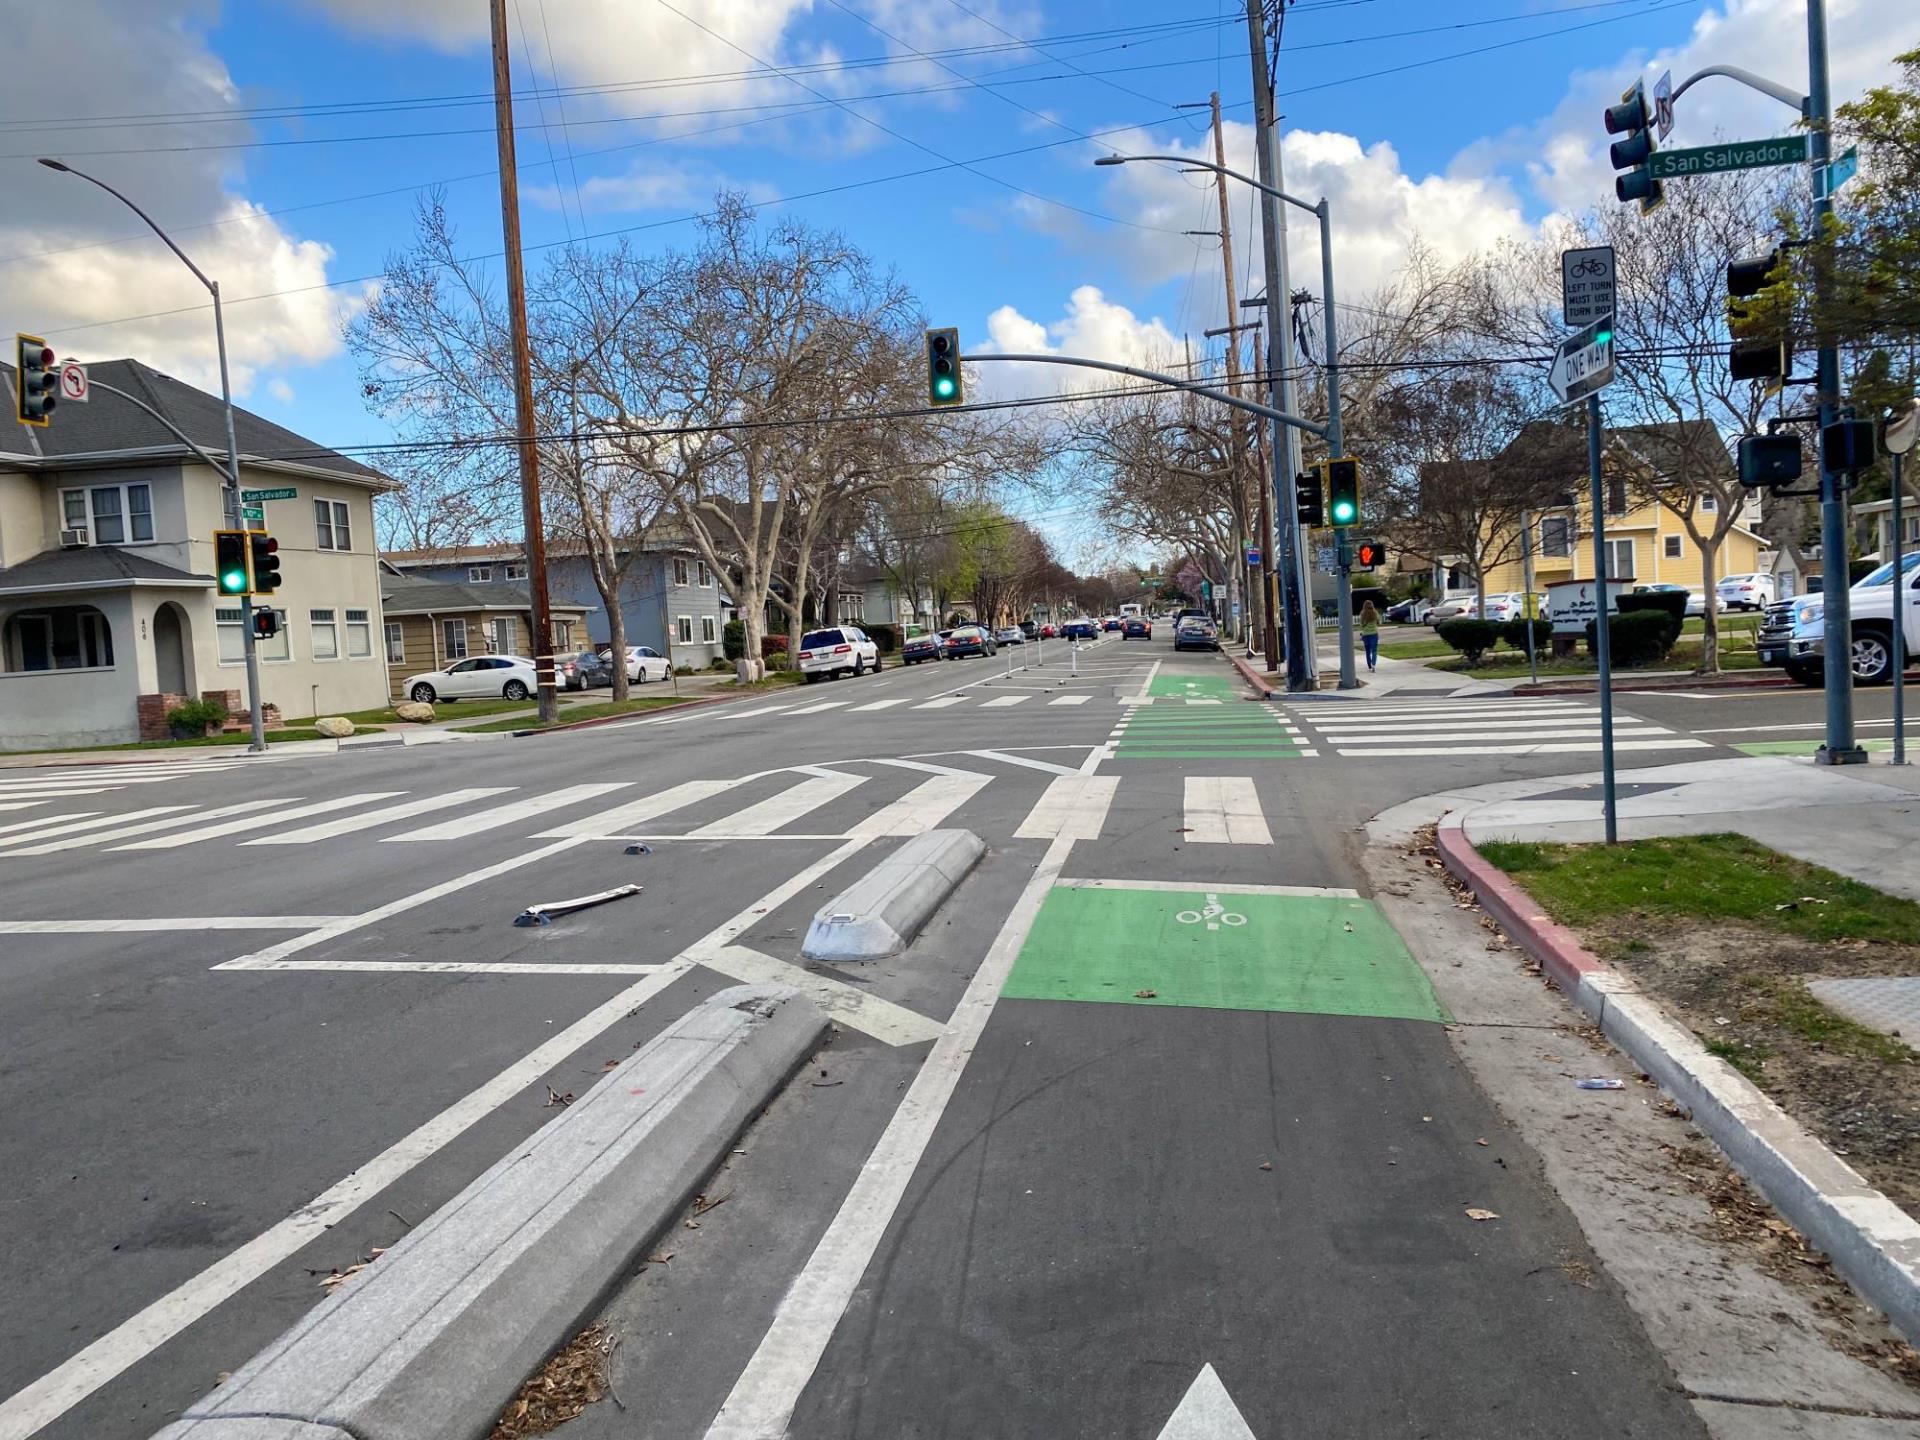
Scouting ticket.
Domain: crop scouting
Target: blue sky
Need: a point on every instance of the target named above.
(254, 120)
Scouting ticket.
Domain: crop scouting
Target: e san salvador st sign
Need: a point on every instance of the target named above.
(1734, 155)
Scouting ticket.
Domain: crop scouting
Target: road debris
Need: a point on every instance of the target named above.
(554, 1097)
(573, 1379)
(544, 914)
(1266, 1164)
(1474, 1212)
(1600, 1082)
(1145, 994)
(335, 1278)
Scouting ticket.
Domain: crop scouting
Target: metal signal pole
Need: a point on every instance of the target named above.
(525, 420)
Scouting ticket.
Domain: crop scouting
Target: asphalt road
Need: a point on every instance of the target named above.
(238, 1051)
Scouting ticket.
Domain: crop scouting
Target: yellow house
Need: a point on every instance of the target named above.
(1645, 540)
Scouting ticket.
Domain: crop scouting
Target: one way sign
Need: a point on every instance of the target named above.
(1584, 362)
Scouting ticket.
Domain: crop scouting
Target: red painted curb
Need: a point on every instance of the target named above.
(1252, 676)
(1564, 959)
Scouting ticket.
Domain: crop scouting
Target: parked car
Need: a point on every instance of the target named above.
(1696, 602)
(1793, 634)
(920, 647)
(1078, 630)
(1745, 592)
(1411, 611)
(1009, 635)
(587, 670)
(968, 640)
(510, 676)
(1455, 605)
(1196, 632)
(644, 663)
(841, 650)
(1511, 605)
(1112, 622)
(1047, 632)
(1029, 628)
(1136, 628)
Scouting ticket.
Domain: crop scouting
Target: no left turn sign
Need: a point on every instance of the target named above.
(73, 381)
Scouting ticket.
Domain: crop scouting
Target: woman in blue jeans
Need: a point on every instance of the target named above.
(1370, 633)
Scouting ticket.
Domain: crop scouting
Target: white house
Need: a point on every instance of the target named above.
(108, 610)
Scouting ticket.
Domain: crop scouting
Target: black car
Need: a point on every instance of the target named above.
(968, 640)
(1136, 628)
(588, 670)
(1196, 632)
(918, 648)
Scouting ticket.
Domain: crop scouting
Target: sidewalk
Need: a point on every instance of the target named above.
(1408, 679)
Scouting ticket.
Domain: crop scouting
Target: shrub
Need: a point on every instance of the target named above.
(1472, 638)
(196, 717)
(1671, 604)
(719, 663)
(1636, 637)
(733, 640)
(887, 637)
(772, 646)
(1514, 632)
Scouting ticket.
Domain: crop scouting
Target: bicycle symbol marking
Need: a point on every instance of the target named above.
(1215, 915)
(1592, 265)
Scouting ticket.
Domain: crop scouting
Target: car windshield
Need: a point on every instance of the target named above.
(1908, 564)
(816, 639)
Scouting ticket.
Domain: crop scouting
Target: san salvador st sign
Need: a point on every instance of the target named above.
(1734, 155)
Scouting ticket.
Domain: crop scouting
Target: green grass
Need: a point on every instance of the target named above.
(1511, 664)
(1747, 1059)
(572, 714)
(1704, 877)
(1791, 1006)
(1412, 649)
(235, 737)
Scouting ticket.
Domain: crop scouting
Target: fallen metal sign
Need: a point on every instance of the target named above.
(544, 914)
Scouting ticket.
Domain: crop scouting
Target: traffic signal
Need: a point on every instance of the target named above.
(1309, 499)
(1754, 356)
(1768, 460)
(1343, 492)
(1632, 119)
(263, 554)
(266, 624)
(1846, 446)
(230, 562)
(1369, 555)
(36, 381)
(944, 385)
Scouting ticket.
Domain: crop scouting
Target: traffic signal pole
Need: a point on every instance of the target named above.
(1336, 448)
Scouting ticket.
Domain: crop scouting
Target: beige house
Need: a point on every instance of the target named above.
(108, 610)
(430, 624)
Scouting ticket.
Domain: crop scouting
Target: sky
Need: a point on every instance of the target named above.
(285, 144)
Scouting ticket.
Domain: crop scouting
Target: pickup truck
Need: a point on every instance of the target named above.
(1793, 632)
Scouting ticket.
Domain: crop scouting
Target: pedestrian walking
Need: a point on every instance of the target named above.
(1370, 633)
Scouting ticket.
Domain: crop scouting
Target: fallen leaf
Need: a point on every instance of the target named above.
(1474, 1213)
(1348, 927)
(1145, 994)
(660, 1258)
(1266, 1164)
(1479, 1142)
(554, 1097)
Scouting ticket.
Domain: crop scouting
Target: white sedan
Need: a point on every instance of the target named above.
(511, 677)
(644, 663)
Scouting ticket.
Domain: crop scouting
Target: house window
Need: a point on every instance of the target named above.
(563, 636)
(1556, 535)
(68, 637)
(853, 605)
(1912, 527)
(396, 643)
(515, 571)
(479, 574)
(1617, 495)
(500, 635)
(683, 630)
(455, 633)
(359, 635)
(679, 569)
(1709, 504)
(114, 514)
(1619, 559)
(704, 575)
(331, 530)
(233, 644)
(325, 635)
(707, 633)
(1670, 547)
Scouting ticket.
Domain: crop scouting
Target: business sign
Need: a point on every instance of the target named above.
(1586, 284)
(1735, 155)
(1572, 605)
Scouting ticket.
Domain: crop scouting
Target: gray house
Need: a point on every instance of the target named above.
(669, 598)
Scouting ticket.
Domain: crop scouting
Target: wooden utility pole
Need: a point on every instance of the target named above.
(525, 419)
(1269, 636)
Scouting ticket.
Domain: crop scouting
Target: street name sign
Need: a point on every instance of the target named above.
(1837, 173)
(254, 497)
(1586, 284)
(1584, 362)
(1734, 155)
(252, 512)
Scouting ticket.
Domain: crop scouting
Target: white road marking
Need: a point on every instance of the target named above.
(497, 816)
(816, 709)
(1571, 747)
(146, 827)
(1073, 808)
(1206, 1412)
(942, 703)
(763, 1398)
(636, 813)
(782, 809)
(923, 766)
(1000, 701)
(18, 825)
(254, 822)
(369, 819)
(1224, 810)
(24, 804)
(749, 714)
(1202, 887)
(849, 1005)
(458, 967)
(1070, 700)
(96, 822)
(1806, 725)
(167, 922)
(1584, 729)
(923, 808)
(879, 705)
(1007, 757)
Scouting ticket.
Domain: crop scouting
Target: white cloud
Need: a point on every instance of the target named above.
(280, 390)
(56, 274)
(646, 186)
(1091, 326)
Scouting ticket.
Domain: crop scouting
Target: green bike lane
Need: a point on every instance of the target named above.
(1208, 1173)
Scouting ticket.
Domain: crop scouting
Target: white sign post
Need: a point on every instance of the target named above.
(73, 382)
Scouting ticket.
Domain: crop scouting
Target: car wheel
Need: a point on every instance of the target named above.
(515, 690)
(423, 693)
(1872, 656)
(812, 677)
(1813, 676)
(876, 664)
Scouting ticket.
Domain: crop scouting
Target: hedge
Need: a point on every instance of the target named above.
(1514, 632)
(733, 640)
(1671, 604)
(887, 637)
(1636, 637)
(772, 645)
(1472, 638)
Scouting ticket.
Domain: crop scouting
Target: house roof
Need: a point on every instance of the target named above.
(94, 567)
(408, 596)
(107, 427)
(493, 552)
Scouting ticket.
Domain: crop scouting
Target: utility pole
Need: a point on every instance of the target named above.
(525, 419)
(1269, 640)
(1302, 662)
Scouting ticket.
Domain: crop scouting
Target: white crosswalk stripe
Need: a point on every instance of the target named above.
(783, 809)
(69, 824)
(1225, 810)
(923, 808)
(622, 819)
(1497, 725)
(942, 702)
(499, 816)
(1069, 700)
(145, 827)
(369, 819)
(1004, 700)
(878, 705)
(254, 822)
(1074, 806)
(816, 709)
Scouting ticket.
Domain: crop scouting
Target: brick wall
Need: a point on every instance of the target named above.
(152, 711)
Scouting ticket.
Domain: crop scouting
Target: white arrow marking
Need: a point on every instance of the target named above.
(1206, 1412)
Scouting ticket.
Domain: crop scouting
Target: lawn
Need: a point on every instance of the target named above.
(442, 710)
(573, 713)
(232, 737)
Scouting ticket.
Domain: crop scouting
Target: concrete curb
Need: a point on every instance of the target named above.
(880, 913)
(1253, 677)
(1654, 687)
(1872, 1242)
(432, 1339)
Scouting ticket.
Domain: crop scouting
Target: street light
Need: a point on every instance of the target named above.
(259, 739)
(1335, 445)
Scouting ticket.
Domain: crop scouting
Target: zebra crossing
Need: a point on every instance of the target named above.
(27, 788)
(983, 699)
(1496, 725)
(838, 801)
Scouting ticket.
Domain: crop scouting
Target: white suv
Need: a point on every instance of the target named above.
(843, 650)
(1745, 592)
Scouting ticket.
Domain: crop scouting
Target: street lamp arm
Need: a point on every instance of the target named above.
(1189, 161)
(1251, 406)
(1785, 94)
(67, 169)
(229, 469)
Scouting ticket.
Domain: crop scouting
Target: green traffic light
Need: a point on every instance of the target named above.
(1603, 337)
(1342, 512)
(234, 581)
(943, 387)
